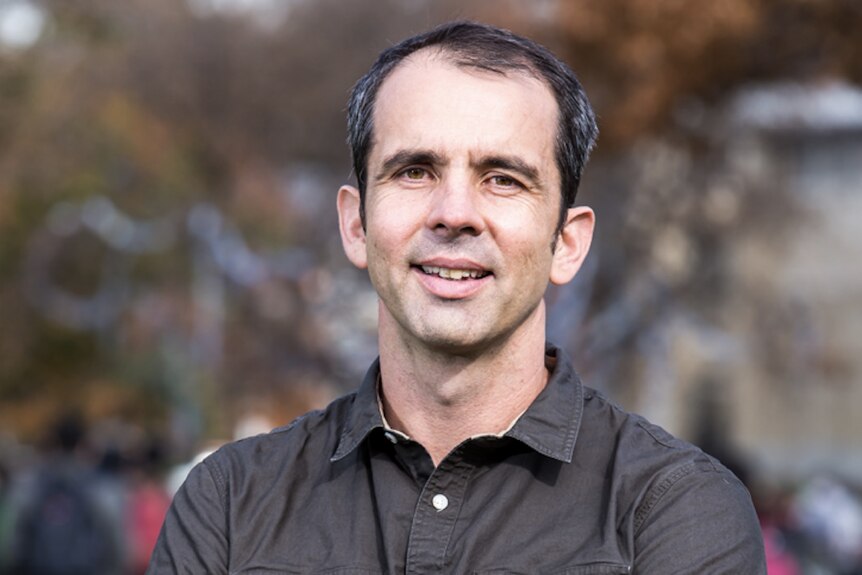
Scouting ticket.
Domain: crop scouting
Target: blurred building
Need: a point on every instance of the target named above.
(790, 360)
(809, 421)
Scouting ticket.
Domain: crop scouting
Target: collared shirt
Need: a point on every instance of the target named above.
(576, 486)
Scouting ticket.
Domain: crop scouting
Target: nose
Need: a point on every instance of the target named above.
(455, 210)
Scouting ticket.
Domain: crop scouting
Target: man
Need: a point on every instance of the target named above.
(471, 446)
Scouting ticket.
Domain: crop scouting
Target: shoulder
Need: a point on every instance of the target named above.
(649, 467)
(635, 442)
(311, 437)
(680, 506)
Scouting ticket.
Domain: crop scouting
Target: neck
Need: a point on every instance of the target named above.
(442, 397)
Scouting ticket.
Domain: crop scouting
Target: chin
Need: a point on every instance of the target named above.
(446, 339)
(456, 342)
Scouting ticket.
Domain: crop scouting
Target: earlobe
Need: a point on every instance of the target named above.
(573, 244)
(350, 226)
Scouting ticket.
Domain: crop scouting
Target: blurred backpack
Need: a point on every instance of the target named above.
(63, 531)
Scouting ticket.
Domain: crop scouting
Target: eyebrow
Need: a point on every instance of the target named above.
(510, 163)
(429, 157)
(409, 157)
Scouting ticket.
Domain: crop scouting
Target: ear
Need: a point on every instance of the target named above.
(573, 244)
(350, 226)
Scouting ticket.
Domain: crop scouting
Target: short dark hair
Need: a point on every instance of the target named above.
(492, 49)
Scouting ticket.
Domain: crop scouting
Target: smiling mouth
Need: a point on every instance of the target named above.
(452, 273)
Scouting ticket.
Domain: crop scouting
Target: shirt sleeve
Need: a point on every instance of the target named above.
(699, 520)
(193, 538)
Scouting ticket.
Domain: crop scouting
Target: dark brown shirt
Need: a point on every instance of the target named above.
(576, 486)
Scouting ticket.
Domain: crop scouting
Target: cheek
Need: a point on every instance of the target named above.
(385, 253)
(390, 234)
(533, 259)
(377, 268)
(524, 214)
(386, 236)
(392, 214)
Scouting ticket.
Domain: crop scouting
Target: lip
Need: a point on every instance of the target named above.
(452, 289)
(454, 264)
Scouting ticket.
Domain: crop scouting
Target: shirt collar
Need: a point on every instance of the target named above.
(549, 426)
(551, 423)
(363, 416)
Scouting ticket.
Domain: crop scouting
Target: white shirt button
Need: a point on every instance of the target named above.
(391, 437)
(440, 502)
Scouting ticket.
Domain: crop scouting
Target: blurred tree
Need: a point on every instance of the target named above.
(167, 176)
(677, 190)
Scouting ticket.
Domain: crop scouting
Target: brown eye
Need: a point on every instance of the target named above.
(504, 181)
(414, 173)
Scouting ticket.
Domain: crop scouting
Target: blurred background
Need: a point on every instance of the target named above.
(171, 276)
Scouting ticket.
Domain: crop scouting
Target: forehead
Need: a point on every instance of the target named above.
(428, 101)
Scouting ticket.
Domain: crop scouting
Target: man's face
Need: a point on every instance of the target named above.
(462, 204)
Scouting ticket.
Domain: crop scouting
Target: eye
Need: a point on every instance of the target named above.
(414, 173)
(504, 182)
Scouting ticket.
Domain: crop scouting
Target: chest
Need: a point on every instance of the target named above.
(391, 512)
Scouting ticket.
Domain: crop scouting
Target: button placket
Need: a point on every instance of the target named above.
(436, 514)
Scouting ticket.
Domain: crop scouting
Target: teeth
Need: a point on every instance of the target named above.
(452, 274)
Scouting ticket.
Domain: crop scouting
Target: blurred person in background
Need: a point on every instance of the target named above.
(471, 445)
(60, 524)
(5, 527)
(148, 502)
